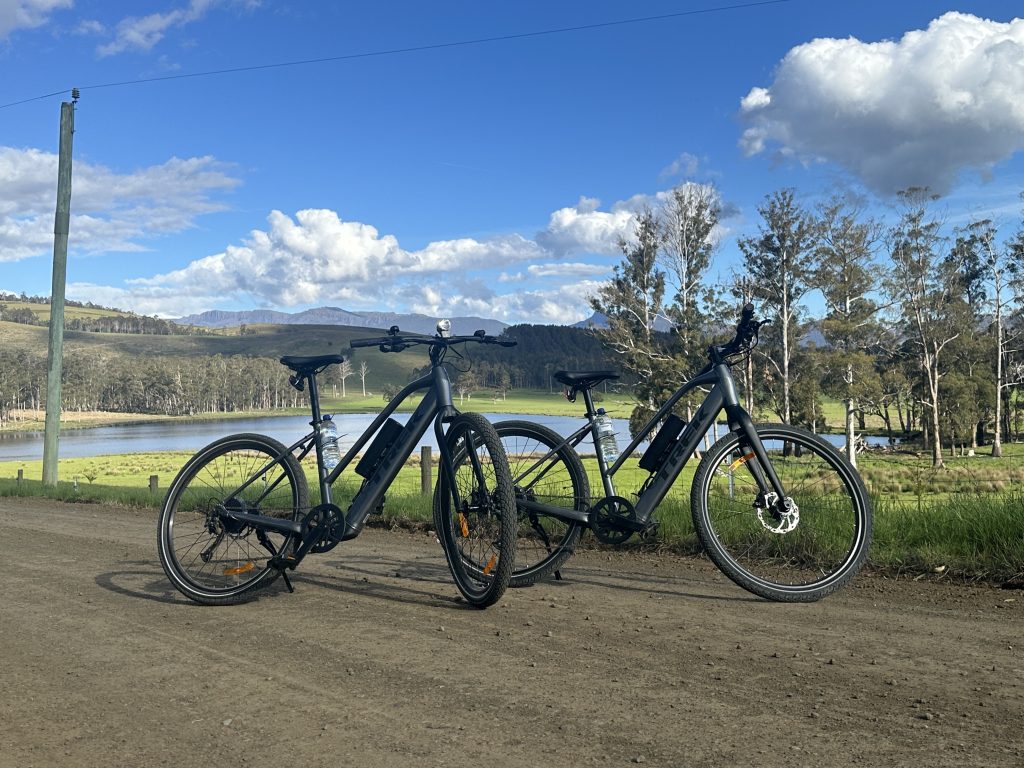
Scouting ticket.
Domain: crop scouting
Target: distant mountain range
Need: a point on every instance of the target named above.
(598, 320)
(413, 323)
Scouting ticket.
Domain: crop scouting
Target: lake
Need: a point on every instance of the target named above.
(191, 436)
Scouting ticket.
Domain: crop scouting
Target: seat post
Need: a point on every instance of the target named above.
(588, 400)
(314, 398)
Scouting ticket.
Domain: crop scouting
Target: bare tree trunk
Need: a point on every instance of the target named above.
(851, 437)
(787, 417)
(997, 439)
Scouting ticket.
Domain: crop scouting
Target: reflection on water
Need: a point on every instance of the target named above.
(191, 436)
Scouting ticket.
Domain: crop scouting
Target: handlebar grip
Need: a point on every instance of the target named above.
(357, 343)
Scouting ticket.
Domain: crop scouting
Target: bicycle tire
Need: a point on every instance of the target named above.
(546, 470)
(203, 559)
(827, 540)
(476, 518)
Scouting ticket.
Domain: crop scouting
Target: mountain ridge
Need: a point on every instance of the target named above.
(410, 322)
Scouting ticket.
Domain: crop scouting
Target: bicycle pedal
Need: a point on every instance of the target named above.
(650, 529)
(281, 562)
(624, 523)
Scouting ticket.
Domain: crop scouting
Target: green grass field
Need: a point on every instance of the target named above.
(271, 341)
(964, 521)
(42, 311)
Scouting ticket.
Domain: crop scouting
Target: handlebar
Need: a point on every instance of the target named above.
(397, 342)
(746, 332)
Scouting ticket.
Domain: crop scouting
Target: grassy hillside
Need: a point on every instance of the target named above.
(42, 311)
(259, 341)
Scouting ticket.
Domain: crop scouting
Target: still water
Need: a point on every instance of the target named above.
(191, 436)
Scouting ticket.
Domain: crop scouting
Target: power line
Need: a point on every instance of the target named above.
(410, 49)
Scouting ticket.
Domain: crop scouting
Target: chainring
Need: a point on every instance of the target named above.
(606, 519)
(330, 520)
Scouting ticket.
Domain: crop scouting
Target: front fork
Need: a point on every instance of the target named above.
(768, 482)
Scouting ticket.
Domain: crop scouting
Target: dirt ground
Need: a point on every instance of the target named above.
(373, 661)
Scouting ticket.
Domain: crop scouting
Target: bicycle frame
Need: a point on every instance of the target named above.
(436, 406)
(721, 396)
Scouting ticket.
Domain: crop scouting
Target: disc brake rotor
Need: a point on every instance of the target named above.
(779, 518)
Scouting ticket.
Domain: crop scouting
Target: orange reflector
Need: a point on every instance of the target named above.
(490, 564)
(741, 460)
(240, 569)
(463, 525)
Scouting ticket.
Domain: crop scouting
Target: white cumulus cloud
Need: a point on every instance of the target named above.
(142, 33)
(585, 229)
(16, 14)
(317, 256)
(911, 112)
(111, 211)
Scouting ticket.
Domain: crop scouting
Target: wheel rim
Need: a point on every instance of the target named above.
(476, 521)
(762, 538)
(218, 559)
(546, 481)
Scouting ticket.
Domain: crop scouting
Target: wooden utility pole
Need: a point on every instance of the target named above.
(51, 435)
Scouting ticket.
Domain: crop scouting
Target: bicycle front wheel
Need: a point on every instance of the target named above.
(546, 473)
(796, 549)
(476, 514)
(209, 558)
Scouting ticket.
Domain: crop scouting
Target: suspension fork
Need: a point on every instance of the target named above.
(447, 463)
(762, 470)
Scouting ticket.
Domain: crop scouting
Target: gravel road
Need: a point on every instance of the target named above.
(373, 661)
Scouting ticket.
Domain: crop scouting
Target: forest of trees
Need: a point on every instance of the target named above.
(174, 386)
(186, 385)
(541, 350)
(115, 322)
(921, 324)
(915, 321)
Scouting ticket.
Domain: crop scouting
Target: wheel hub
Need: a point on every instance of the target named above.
(779, 517)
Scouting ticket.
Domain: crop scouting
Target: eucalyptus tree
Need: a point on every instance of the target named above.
(742, 289)
(927, 289)
(992, 289)
(779, 264)
(364, 369)
(845, 272)
(1011, 257)
(689, 221)
(689, 239)
(633, 301)
(338, 373)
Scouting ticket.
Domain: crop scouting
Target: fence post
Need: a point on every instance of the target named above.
(153, 482)
(21, 476)
(426, 471)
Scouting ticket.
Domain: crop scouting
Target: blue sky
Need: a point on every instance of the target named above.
(490, 178)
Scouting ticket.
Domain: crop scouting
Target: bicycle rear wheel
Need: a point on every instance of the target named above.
(209, 558)
(794, 550)
(476, 515)
(545, 471)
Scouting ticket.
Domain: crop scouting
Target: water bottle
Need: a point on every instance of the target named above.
(329, 449)
(606, 437)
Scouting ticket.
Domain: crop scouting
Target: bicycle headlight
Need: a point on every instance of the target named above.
(444, 328)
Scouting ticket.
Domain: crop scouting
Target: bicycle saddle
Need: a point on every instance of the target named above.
(307, 364)
(584, 379)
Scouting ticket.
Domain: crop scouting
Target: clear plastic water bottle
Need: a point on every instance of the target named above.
(606, 436)
(329, 449)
